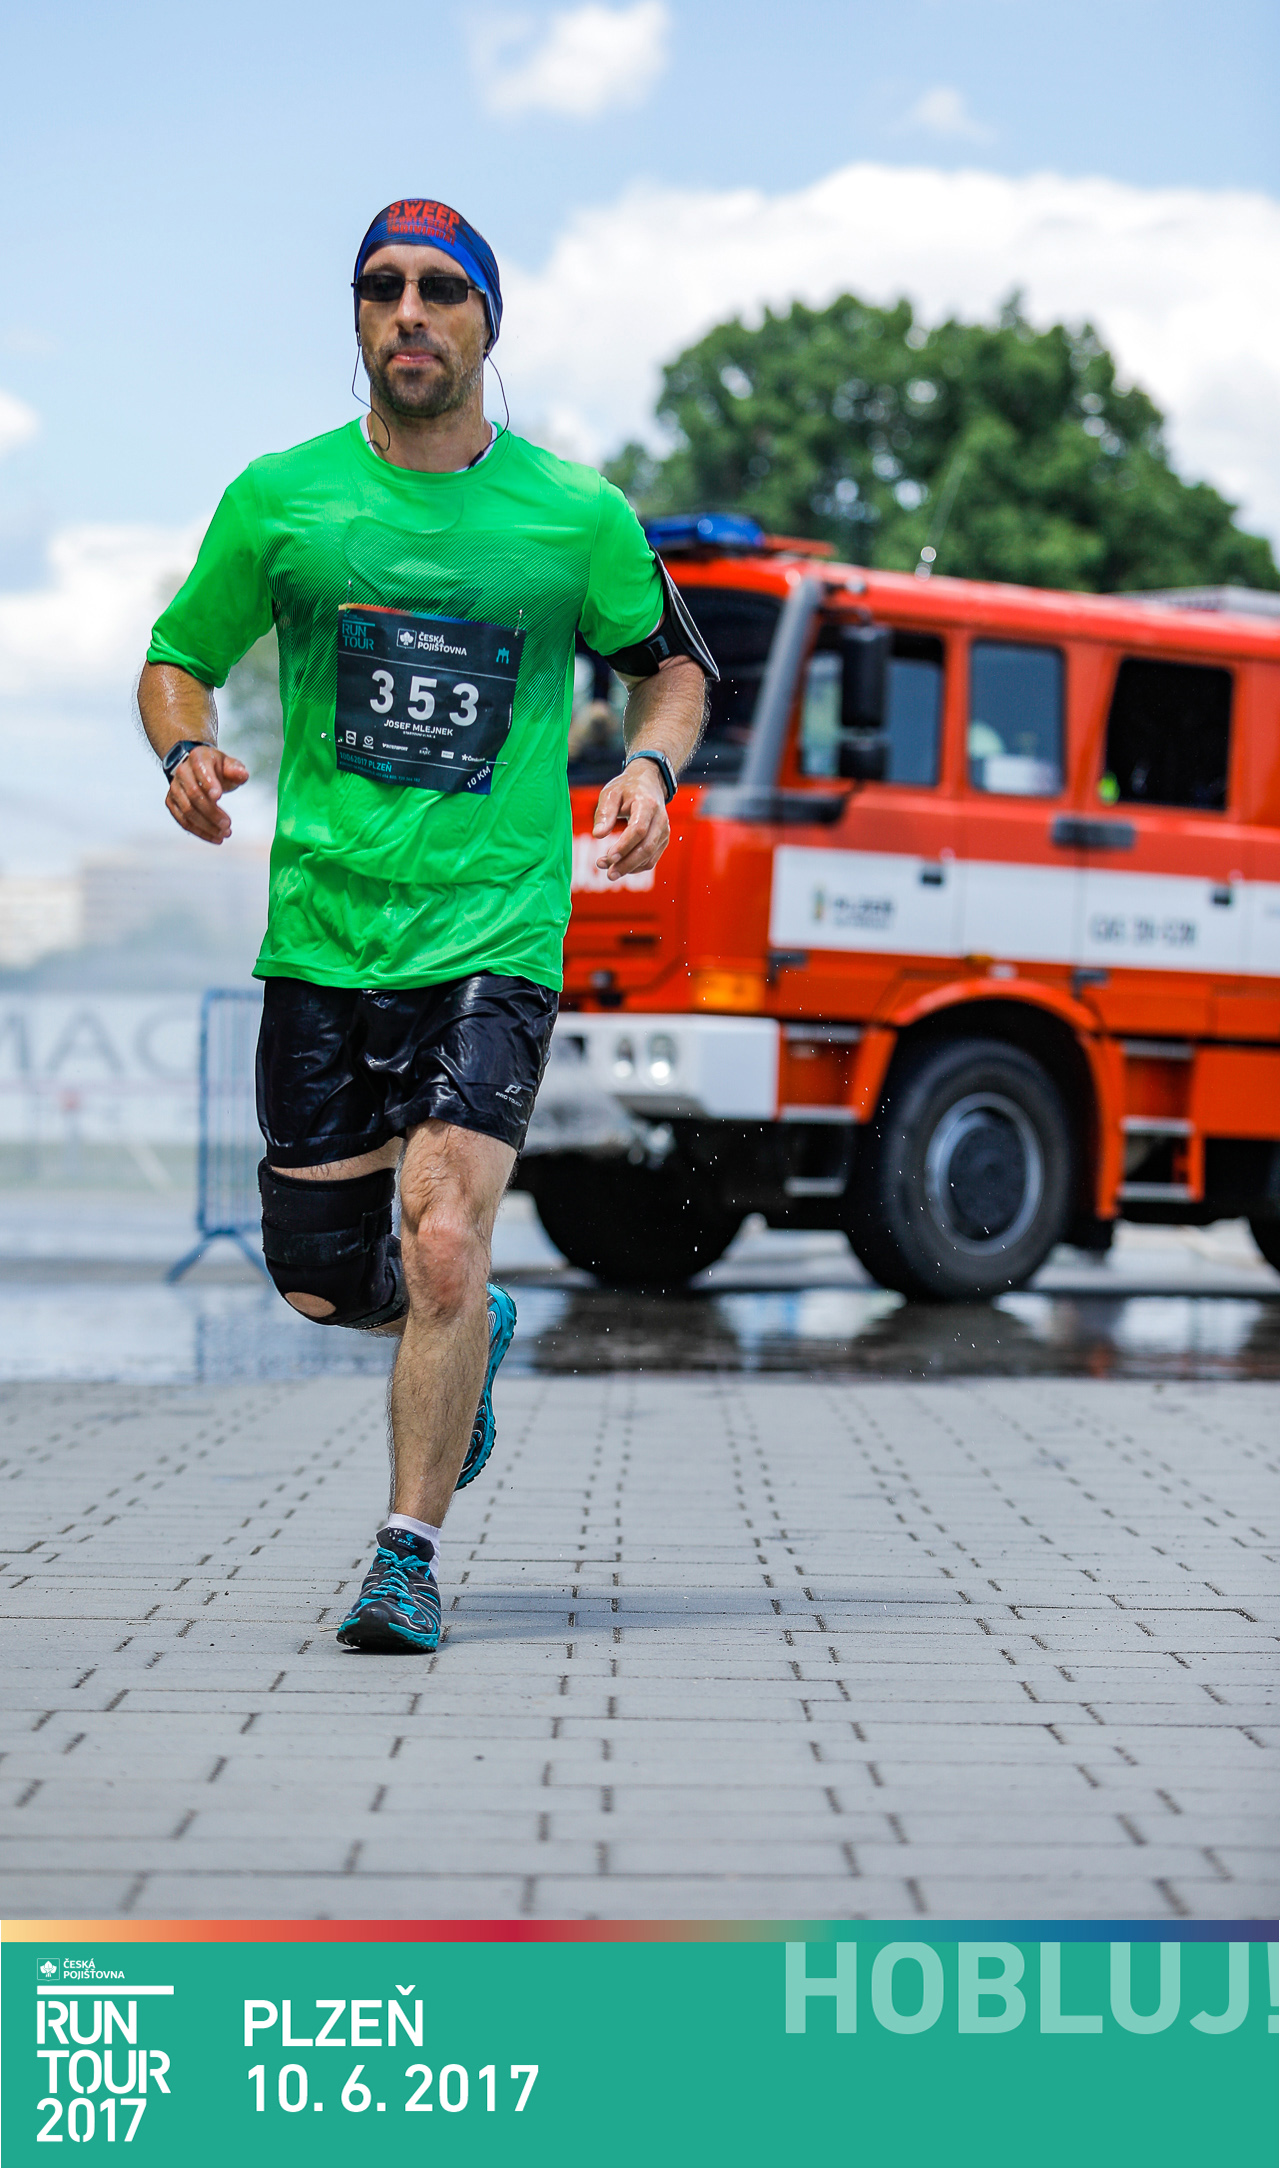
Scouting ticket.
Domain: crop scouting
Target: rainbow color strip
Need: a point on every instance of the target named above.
(635, 1930)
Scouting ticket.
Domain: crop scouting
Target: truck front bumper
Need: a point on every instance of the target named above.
(608, 1074)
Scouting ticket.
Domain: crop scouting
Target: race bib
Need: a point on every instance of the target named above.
(423, 700)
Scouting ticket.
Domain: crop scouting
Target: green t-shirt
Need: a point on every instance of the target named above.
(390, 883)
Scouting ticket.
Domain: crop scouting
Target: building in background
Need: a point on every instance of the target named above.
(101, 974)
(39, 915)
(140, 920)
(219, 895)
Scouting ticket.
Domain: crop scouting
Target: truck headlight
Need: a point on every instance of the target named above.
(662, 1056)
(624, 1059)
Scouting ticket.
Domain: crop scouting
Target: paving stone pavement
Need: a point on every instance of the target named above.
(716, 1647)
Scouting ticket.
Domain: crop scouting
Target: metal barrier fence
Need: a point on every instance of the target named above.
(230, 1144)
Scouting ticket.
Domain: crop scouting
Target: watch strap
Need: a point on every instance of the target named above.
(663, 765)
(178, 753)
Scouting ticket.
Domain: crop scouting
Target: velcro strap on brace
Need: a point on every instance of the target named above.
(294, 1246)
(333, 1240)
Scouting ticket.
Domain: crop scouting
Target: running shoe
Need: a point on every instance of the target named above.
(502, 1323)
(399, 1603)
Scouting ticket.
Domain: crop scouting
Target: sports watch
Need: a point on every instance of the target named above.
(664, 767)
(178, 753)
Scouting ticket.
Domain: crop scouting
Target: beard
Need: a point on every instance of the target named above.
(447, 388)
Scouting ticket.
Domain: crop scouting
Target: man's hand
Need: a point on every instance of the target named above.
(173, 706)
(632, 812)
(196, 788)
(665, 712)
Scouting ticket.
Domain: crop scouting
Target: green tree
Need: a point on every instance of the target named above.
(1011, 451)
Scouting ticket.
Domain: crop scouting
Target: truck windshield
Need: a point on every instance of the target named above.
(738, 628)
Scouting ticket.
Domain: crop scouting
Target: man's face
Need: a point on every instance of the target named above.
(422, 359)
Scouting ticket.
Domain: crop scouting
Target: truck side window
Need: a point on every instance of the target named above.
(596, 746)
(913, 708)
(738, 626)
(1168, 735)
(820, 714)
(913, 711)
(1015, 719)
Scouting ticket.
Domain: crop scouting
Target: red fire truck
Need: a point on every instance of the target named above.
(967, 941)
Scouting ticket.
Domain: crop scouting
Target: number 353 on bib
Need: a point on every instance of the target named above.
(423, 701)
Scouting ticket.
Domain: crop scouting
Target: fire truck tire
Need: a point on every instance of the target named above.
(1266, 1233)
(965, 1178)
(632, 1224)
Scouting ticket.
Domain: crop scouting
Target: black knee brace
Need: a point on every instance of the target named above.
(334, 1240)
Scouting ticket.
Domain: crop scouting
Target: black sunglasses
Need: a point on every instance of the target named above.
(440, 287)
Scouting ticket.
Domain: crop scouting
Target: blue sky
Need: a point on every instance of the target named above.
(182, 191)
(193, 181)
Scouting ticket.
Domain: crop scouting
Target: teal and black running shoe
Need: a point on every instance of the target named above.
(502, 1323)
(398, 1607)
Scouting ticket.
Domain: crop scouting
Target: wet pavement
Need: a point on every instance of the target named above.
(723, 1638)
(836, 1332)
(83, 1297)
(714, 1647)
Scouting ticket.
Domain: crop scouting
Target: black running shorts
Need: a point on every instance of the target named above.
(341, 1072)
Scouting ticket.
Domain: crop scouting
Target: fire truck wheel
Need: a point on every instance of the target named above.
(1266, 1233)
(633, 1225)
(965, 1179)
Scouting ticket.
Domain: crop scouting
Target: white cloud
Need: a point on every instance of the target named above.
(1184, 284)
(77, 776)
(87, 628)
(944, 112)
(17, 422)
(590, 58)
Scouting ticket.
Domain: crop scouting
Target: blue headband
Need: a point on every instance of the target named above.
(434, 225)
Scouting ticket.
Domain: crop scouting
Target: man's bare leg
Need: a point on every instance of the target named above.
(451, 1184)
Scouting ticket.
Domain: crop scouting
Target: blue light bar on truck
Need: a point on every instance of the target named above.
(706, 531)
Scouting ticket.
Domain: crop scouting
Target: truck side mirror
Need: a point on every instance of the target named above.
(862, 756)
(864, 749)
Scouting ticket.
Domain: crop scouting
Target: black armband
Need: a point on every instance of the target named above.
(674, 634)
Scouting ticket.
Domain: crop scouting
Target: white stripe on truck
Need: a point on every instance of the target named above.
(882, 902)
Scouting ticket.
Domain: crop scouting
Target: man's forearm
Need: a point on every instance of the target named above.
(665, 713)
(174, 705)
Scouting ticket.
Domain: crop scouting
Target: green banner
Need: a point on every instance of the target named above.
(1003, 2046)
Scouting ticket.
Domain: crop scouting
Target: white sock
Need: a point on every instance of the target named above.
(418, 1528)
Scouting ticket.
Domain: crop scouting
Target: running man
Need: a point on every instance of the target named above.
(426, 576)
